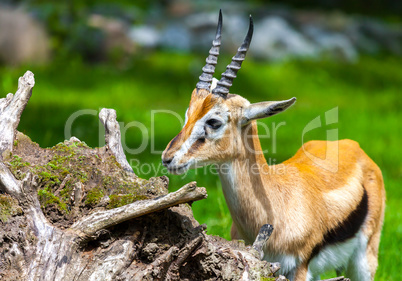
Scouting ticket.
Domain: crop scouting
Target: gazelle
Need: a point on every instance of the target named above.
(326, 216)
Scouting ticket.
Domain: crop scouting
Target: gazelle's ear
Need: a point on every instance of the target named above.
(265, 109)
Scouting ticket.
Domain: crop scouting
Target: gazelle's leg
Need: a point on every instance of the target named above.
(372, 252)
(234, 234)
(302, 273)
(358, 266)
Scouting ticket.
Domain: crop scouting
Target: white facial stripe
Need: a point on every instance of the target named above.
(199, 132)
(185, 118)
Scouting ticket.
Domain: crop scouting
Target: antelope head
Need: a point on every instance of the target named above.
(216, 120)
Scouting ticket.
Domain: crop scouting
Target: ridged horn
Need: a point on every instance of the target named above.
(229, 75)
(209, 69)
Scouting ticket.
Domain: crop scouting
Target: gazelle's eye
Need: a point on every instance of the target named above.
(214, 124)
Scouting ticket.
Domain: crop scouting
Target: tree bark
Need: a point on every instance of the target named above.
(152, 239)
(340, 278)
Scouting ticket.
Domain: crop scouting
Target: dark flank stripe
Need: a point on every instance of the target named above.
(347, 229)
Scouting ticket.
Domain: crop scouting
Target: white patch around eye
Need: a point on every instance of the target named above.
(199, 132)
(217, 133)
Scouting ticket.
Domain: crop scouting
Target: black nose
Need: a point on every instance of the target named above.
(167, 161)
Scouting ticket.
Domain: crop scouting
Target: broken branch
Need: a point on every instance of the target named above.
(11, 109)
(8, 183)
(340, 278)
(173, 271)
(262, 238)
(88, 226)
(113, 136)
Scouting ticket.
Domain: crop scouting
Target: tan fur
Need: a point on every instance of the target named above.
(301, 199)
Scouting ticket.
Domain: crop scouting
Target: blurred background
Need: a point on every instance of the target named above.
(141, 56)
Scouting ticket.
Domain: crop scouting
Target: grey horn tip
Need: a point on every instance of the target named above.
(230, 74)
(219, 28)
(208, 70)
(250, 30)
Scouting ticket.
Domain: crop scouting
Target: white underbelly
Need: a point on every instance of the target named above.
(351, 253)
(336, 256)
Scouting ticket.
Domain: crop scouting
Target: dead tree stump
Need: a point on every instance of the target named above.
(71, 212)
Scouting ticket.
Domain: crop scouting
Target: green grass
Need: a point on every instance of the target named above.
(367, 94)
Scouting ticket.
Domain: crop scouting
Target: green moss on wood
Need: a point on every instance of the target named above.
(46, 197)
(72, 164)
(118, 200)
(16, 165)
(8, 207)
(94, 196)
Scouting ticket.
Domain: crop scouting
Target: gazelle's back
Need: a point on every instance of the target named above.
(348, 201)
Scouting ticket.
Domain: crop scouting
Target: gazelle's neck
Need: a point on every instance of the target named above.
(243, 182)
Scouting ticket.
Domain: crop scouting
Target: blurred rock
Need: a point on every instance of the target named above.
(22, 39)
(280, 33)
(334, 44)
(145, 35)
(389, 38)
(176, 36)
(275, 39)
(117, 40)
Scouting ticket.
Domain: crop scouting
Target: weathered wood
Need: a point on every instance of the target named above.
(88, 226)
(340, 278)
(8, 183)
(173, 271)
(274, 267)
(262, 238)
(11, 109)
(113, 136)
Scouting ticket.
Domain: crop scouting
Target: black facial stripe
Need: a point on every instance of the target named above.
(196, 145)
(174, 141)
